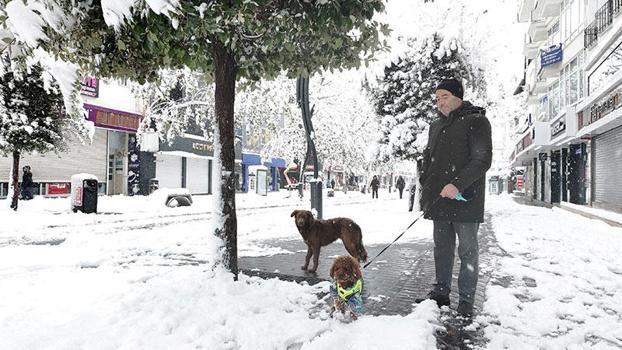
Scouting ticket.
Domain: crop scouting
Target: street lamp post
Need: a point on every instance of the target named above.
(302, 96)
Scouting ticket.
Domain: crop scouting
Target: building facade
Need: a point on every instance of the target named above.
(110, 155)
(570, 143)
(114, 155)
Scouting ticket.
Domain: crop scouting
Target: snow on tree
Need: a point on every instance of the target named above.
(344, 119)
(487, 30)
(33, 116)
(404, 98)
(178, 101)
(226, 40)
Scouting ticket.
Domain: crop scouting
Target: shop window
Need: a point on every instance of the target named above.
(571, 17)
(607, 69)
(554, 35)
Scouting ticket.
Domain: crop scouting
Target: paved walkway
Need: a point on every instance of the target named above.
(393, 281)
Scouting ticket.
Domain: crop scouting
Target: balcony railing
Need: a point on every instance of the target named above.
(603, 18)
(591, 35)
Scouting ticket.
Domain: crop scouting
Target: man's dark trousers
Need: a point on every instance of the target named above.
(444, 246)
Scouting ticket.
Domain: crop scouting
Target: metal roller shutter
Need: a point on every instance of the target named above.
(78, 158)
(168, 170)
(608, 169)
(197, 175)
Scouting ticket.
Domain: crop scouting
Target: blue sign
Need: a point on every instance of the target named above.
(551, 55)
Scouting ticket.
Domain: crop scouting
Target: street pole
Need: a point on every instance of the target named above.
(302, 96)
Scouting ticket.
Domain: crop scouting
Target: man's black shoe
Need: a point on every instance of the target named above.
(441, 299)
(465, 309)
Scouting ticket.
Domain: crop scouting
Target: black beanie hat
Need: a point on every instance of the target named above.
(453, 86)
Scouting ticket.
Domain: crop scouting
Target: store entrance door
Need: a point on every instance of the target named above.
(117, 159)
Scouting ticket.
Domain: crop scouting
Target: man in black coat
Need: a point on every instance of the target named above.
(400, 185)
(374, 187)
(455, 162)
(27, 183)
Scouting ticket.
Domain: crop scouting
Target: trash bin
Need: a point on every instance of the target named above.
(154, 184)
(84, 193)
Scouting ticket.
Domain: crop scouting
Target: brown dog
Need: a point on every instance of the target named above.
(348, 287)
(319, 233)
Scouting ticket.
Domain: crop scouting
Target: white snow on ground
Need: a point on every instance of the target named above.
(565, 273)
(146, 278)
(609, 215)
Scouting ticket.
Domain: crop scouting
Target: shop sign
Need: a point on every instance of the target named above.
(202, 147)
(89, 87)
(58, 188)
(113, 119)
(190, 145)
(601, 109)
(551, 55)
(558, 127)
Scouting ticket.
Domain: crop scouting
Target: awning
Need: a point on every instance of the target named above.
(276, 162)
(183, 154)
(251, 159)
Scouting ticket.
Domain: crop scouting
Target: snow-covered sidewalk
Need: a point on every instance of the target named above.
(560, 284)
(141, 280)
(150, 279)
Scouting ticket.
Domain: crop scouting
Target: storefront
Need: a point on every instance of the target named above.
(187, 162)
(276, 167)
(607, 156)
(111, 155)
(122, 154)
(601, 121)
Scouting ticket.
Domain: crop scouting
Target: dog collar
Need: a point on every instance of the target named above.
(345, 294)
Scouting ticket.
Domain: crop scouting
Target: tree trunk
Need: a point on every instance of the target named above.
(225, 73)
(15, 180)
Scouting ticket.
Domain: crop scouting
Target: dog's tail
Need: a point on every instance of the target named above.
(360, 249)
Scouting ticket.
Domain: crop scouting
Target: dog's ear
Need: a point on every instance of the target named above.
(294, 213)
(332, 269)
(356, 267)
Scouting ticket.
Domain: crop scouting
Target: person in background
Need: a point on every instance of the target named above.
(400, 185)
(374, 187)
(27, 183)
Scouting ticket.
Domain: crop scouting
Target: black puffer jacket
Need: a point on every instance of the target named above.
(459, 152)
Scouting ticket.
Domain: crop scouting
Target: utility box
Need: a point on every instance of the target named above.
(495, 185)
(84, 193)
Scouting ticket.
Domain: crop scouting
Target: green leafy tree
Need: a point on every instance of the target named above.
(226, 40)
(32, 116)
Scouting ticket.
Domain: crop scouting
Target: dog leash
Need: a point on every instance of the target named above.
(458, 197)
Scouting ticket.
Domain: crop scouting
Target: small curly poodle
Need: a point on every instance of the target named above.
(347, 289)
